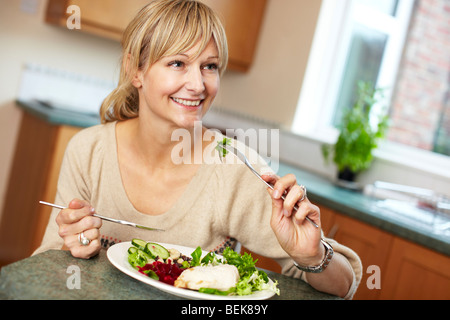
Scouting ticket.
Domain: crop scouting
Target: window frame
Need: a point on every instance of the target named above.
(320, 84)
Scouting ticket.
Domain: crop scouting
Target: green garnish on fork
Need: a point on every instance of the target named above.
(220, 146)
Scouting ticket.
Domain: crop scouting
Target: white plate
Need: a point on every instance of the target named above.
(118, 256)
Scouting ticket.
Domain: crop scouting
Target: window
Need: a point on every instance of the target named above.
(355, 40)
(391, 44)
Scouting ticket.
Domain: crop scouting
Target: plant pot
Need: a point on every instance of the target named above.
(346, 175)
(346, 179)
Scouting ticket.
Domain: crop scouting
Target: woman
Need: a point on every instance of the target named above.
(173, 55)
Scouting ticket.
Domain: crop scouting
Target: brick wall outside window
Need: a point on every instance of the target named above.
(420, 111)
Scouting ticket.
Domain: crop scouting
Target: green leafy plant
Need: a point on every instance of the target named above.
(359, 132)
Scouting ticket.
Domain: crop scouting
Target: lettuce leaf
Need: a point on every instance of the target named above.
(251, 279)
(196, 255)
(217, 291)
(244, 263)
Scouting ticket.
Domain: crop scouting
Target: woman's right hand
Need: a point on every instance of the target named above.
(75, 219)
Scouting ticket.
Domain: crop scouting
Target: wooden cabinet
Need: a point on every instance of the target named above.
(371, 244)
(408, 270)
(327, 219)
(109, 18)
(33, 177)
(242, 20)
(414, 272)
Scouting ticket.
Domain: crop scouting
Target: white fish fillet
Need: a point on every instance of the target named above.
(221, 277)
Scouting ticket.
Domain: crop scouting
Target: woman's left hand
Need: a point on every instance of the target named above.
(296, 235)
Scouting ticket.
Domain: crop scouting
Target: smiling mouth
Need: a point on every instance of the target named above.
(187, 103)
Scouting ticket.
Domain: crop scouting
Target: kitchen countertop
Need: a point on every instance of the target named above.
(45, 276)
(320, 190)
(59, 116)
(366, 209)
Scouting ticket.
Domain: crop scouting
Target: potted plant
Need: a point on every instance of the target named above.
(359, 133)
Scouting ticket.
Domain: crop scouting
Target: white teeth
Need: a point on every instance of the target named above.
(187, 102)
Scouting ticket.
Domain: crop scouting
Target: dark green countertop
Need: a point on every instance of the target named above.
(320, 190)
(59, 116)
(46, 276)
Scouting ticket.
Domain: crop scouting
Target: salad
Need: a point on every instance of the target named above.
(166, 265)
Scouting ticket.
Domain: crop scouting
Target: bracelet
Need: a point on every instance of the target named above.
(324, 264)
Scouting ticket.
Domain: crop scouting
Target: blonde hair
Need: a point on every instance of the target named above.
(161, 28)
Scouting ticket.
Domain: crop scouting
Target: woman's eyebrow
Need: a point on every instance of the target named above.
(188, 57)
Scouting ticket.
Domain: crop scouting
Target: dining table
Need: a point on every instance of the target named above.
(51, 276)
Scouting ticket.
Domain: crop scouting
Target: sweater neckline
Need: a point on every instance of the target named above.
(171, 216)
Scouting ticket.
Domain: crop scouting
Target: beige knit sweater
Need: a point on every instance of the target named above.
(222, 204)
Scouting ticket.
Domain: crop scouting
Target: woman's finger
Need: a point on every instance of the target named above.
(69, 215)
(86, 252)
(283, 184)
(91, 235)
(307, 209)
(85, 223)
(80, 250)
(270, 178)
(291, 199)
(78, 204)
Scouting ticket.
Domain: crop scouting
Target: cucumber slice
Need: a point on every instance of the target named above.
(156, 250)
(145, 256)
(137, 257)
(132, 250)
(134, 261)
(138, 243)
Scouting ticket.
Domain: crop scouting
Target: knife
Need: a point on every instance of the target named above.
(127, 223)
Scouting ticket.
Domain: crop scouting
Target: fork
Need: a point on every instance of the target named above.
(244, 159)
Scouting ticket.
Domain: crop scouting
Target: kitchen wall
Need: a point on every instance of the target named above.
(273, 82)
(271, 88)
(24, 38)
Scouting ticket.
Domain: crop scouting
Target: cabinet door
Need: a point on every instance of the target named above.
(33, 177)
(327, 220)
(415, 272)
(242, 20)
(108, 14)
(109, 18)
(371, 244)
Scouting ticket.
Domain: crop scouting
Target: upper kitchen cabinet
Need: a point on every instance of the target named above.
(109, 18)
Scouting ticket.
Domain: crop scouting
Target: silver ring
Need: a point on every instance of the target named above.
(83, 240)
(304, 193)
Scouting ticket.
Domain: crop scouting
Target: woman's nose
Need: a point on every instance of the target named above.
(195, 81)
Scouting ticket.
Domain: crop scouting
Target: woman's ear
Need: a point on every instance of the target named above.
(136, 78)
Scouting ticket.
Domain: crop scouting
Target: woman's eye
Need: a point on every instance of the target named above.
(211, 66)
(176, 64)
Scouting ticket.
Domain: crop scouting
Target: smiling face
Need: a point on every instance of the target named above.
(178, 90)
